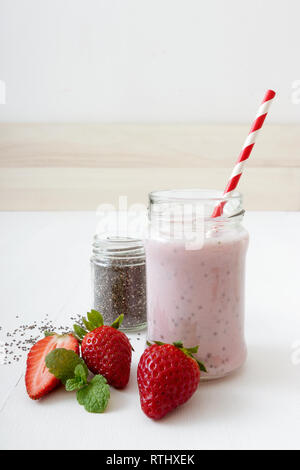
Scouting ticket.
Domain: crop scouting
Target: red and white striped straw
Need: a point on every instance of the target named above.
(246, 151)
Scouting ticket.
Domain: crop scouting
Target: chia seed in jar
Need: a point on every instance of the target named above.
(119, 280)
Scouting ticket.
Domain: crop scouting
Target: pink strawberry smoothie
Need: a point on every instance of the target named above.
(197, 297)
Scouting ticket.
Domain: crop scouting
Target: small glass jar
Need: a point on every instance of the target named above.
(195, 276)
(119, 280)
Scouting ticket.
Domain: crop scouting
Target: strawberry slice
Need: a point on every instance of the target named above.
(39, 381)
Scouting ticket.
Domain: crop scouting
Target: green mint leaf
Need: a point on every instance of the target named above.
(73, 385)
(94, 396)
(95, 318)
(62, 362)
(118, 322)
(81, 373)
(49, 333)
(79, 380)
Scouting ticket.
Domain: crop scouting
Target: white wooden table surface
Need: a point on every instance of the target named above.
(44, 269)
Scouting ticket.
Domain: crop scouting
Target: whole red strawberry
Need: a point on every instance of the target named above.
(168, 376)
(105, 349)
(39, 381)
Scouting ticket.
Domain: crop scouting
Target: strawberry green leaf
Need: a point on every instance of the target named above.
(62, 363)
(117, 323)
(95, 318)
(79, 380)
(79, 332)
(94, 396)
(158, 343)
(201, 366)
(88, 325)
(178, 344)
(187, 351)
(193, 350)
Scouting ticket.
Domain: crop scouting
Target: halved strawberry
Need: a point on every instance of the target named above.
(39, 381)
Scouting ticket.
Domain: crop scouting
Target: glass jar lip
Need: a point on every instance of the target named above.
(196, 201)
(194, 194)
(117, 246)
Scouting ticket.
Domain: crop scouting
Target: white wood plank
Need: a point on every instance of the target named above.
(86, 188)
(143, 145)
(76, 166)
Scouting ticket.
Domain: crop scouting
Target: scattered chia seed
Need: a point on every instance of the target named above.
(15, 344)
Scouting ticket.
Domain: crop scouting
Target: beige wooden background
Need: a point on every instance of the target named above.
(79, 166)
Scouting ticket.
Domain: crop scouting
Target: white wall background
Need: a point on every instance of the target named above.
(148, 60)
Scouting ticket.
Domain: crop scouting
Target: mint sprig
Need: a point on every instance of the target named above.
(79, 380)
(95, 395)
(68, 367)
(62, 362)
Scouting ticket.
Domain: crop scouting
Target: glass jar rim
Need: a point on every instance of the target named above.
(206, 200)
(118, 246)
(193, 194)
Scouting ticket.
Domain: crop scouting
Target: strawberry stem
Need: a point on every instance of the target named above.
(187, 351)
(94, 320)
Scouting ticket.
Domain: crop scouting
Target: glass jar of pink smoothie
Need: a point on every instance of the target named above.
(195, 267)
